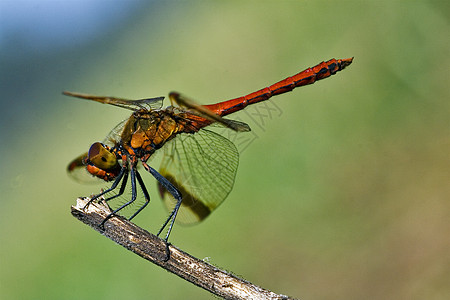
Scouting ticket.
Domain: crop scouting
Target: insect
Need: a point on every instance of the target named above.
(199, 165)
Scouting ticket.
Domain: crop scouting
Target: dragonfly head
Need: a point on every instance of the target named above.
(101, 162)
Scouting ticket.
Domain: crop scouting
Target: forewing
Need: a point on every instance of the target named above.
(204, 112)
(202, 166)
(114, 135)
(149, 103)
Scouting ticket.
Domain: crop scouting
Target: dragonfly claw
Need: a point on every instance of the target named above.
(167, 257)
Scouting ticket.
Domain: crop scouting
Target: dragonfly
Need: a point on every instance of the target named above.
(199, 165)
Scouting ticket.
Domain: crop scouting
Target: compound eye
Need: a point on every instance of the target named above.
(101, 157)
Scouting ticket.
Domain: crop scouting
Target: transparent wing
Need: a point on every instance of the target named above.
(202, 166)
(204, 112)
(114, 135)
(149, 103)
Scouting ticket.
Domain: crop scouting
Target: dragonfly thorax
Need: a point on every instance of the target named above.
(148, 130)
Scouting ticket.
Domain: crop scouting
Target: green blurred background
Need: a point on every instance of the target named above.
(344, 194)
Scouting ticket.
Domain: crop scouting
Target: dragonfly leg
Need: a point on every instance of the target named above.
(133, 197)
(171, 218)
(122, 188)
(123, 171)
(172, 190)
(144, 191)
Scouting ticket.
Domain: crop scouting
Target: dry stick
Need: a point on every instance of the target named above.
(152, 248)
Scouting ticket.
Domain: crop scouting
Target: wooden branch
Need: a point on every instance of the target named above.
(155, 250)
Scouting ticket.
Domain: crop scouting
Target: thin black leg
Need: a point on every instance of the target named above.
(113, 186)
(122, 188)
(172, 217)
(161, 179)
(144, 191)
(133, 196)
(172, 190)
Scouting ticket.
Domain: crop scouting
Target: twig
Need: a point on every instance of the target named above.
(154, 249)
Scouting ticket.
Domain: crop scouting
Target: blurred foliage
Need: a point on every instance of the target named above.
(344, 194)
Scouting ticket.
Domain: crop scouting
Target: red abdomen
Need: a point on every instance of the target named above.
(308, 76)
